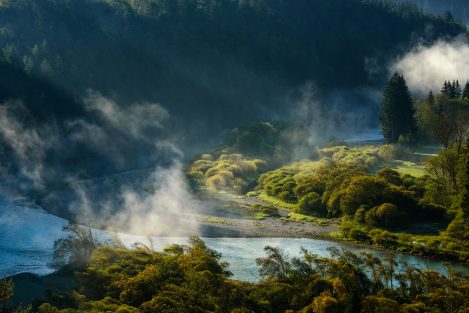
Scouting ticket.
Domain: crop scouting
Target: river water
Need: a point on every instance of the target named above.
(27, 236)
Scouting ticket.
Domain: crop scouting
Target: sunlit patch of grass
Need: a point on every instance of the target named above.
(259, 216)
(216, 220)
(265, 197)
(338, 236)
(427, 150)
(261, 212)
(406, 167)
(292, 216)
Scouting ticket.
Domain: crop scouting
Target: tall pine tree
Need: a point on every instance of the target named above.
(456, 90)
(446, 90)
(465, 93)
(397, 110)
(431, 99)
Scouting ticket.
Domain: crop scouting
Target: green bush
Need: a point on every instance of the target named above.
(362, 190)
(387, 214)
(390, 176)
(383, 238)
(232, 172)
(311, 203)
(360, 215)
(354, 232)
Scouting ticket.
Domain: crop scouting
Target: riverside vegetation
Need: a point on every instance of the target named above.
(191, 278)
(389, 195)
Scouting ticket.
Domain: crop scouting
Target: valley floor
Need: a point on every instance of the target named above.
(246, 226)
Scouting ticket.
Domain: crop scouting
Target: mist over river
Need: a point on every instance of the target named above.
(27, 236)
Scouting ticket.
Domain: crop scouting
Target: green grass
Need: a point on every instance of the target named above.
(216, 220)
(407, 167)
(305, 218)
(272, 200)
(259, 216)
(261, 212)
(427, 150)
(338, 236)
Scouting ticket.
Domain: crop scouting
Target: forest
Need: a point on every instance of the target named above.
(178, 53)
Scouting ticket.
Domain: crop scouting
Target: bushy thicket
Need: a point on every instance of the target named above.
(232, 172)
(192, 279)
(341, 183)
(365, 156)
(383, 198)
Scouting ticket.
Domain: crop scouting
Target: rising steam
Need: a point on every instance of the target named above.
(147, 192)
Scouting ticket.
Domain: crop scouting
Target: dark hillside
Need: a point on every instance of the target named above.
(221, 58)
(212, 65)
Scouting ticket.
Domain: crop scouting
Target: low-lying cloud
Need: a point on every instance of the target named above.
(24, 147)
(426, 67)
(143, 190)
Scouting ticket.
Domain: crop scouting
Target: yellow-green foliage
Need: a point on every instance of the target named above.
(292, 182)
(407, 167)
(227, 172)
(260, 212)
(192, 278)
(275, 201)
(328, 176)
(367, 156)
(216, 220)
(285, 178)
(306, 218)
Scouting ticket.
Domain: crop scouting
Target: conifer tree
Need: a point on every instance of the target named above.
(446, 90)
(397, 111)
(465, 93)
(431, 99)
(456, 90)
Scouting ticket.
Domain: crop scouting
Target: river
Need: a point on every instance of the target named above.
(27, 236)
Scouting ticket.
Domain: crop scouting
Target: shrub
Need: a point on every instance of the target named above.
(374, 304)
(360, 215)
(325, 303)
(370, 216)
(230, 171)
(383, 238)
(459, 228)
(390, 176)
(287, 196)
(436, 212)
(386, 152)
(362, 190)
(311, 203)
(308, 184)
(387, 214)
(352, 231)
